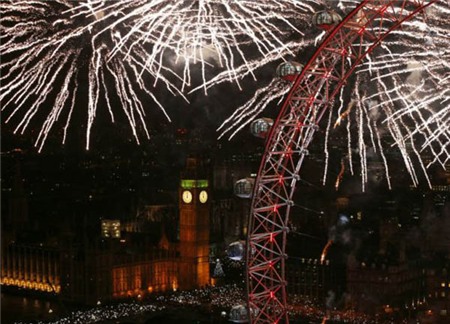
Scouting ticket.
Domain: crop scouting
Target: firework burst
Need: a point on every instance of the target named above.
(398, 98)
(185, 38)
(49, 51)
(120, 50)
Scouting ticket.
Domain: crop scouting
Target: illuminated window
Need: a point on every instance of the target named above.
(359, 215)
(110, 228)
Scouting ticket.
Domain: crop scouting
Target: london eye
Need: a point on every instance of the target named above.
(312, 93)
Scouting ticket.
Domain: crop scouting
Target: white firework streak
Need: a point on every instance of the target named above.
(253, 65)
(403, 92)
(412, 78)
(245, 114)
(205, 35)
(44, 51)
(135, 43)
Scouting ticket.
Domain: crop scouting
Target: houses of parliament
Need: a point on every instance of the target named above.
(119, 259)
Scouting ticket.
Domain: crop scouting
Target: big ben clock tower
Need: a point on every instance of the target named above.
(194, 226)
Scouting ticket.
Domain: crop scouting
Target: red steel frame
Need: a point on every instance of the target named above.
(312, 93)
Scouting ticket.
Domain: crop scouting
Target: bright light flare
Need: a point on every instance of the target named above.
(325, 251)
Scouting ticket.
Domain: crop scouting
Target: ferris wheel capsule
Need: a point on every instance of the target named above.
(239, 314)
(260, 127)
(289, 70)
(326, 19)
(243, 188)
(236, 250)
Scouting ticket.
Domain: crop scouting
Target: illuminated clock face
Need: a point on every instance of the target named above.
(187, 196)
(203, 197)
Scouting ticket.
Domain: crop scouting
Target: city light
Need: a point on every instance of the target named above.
(31, 284)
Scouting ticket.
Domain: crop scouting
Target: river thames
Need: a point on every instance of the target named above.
(28, 309)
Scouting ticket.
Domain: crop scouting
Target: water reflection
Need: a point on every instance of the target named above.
(27, 309)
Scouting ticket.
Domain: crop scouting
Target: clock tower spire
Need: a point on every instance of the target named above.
(194, 211)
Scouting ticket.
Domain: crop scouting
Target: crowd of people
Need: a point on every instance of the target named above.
(214, 299)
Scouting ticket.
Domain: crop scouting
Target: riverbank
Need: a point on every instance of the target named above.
(201, 306)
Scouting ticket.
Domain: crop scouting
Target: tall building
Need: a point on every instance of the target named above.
(194, 207)
(437, 291)
(310, 278)
(384, 288)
